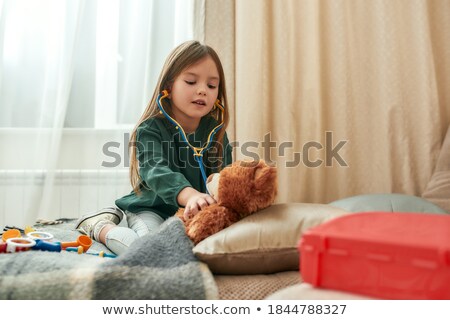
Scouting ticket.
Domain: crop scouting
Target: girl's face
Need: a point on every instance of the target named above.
(194, 92)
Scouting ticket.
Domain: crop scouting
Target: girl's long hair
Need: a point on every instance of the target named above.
(182, 57)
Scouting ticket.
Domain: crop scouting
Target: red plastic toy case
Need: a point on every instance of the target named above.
(381, 254)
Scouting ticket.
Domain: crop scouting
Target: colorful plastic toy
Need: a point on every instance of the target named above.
(80, 250)
(11, 233)
(13, 227)
(19, 244)
(82, 240)
(28, 229)
(39, 235)
(37, 240)
(47, 246)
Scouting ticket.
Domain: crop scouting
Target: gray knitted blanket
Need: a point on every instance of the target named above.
(158, 266)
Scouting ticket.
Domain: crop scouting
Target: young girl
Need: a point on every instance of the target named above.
(179, 140)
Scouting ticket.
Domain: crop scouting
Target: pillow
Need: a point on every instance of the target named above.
(265, 242)
(438, 188)
(386, 203)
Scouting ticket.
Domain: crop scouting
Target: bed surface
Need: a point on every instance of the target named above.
(160, 265)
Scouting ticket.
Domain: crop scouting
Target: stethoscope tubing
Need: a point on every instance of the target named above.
(198, 152)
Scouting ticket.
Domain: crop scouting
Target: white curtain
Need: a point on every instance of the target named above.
(71, 70)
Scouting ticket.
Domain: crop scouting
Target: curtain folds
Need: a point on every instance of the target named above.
(345, 97)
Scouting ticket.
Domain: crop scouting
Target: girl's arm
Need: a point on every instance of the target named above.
(155, 163)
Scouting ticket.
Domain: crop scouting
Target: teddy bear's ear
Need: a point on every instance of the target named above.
(249, 163)
(265, 178)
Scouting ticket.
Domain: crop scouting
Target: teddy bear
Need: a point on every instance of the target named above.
(240, 190)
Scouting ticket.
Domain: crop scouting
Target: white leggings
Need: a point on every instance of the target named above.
(135, 226)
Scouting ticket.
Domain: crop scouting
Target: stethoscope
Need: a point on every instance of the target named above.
(198, 152)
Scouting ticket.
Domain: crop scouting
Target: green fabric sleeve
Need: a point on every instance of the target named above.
(155, 168)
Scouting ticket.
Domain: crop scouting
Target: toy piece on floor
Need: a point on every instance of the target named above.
(11, 233)
(39, 235)
(42, 243)
(47, 246)
(14, 232)
(38, 240)
(19, 244)
(43, 240)
(6, 228)
(80, 250)
(82, 240)
(28, 229)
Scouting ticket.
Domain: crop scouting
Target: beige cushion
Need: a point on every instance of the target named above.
(265, 242)
(438, 188)
(305, 291)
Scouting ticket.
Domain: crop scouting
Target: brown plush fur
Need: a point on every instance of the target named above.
(244, 188)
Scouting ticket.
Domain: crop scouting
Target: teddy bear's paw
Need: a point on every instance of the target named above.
(209, 221)
(180, 214)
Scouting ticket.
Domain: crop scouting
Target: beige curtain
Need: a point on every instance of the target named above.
(354, 94)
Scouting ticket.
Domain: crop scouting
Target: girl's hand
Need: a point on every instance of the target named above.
(196, 203)
(193, 201)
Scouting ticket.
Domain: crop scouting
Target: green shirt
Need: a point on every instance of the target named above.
(167, 165)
